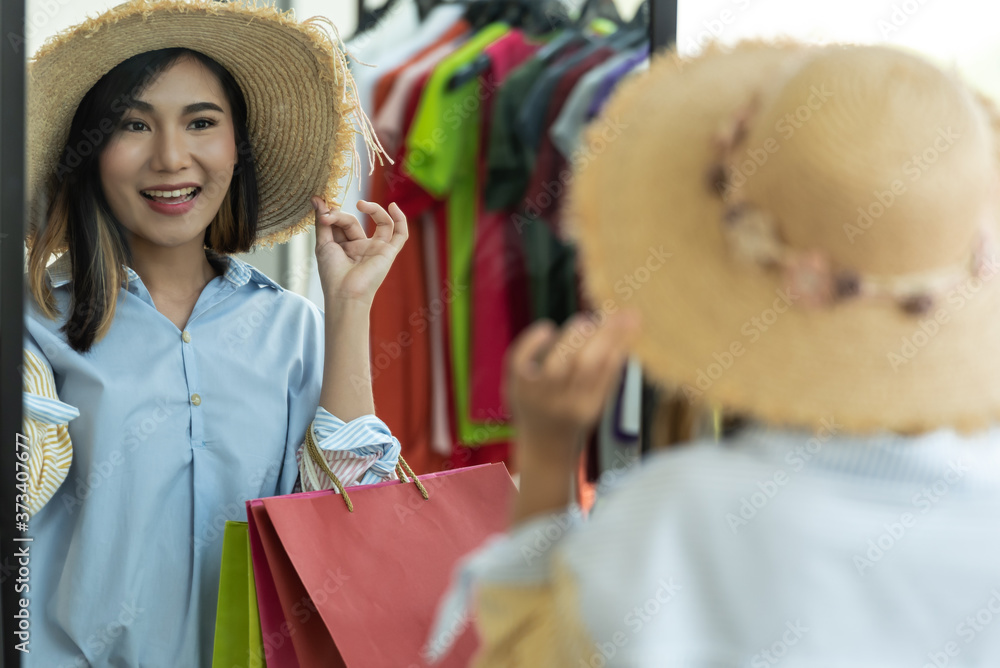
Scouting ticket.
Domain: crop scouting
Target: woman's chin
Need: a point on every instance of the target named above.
(167, 239)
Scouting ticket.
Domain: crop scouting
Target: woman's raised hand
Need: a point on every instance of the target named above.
(558, 381)
(351, 265)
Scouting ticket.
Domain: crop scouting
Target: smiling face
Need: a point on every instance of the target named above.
(178, 137)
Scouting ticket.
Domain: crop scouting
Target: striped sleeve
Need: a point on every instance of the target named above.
(45, 424)
(360, 452)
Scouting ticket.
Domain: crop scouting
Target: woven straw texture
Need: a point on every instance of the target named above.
(723, 330)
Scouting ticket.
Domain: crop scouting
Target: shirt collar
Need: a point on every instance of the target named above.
(922, 458)
(237, 272)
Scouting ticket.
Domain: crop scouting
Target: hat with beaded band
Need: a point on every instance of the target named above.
(808, 231)
(301, 100)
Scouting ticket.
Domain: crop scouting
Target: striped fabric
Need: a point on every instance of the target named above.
(50, 450)
(360, 452)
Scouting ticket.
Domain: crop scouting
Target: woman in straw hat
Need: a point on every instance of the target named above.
(165, 136)
(830, 218)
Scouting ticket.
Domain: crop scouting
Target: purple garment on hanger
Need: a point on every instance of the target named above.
(611, 81)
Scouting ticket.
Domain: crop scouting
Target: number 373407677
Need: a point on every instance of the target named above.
(21, 474)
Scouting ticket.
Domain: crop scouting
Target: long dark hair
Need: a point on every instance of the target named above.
(80, 221)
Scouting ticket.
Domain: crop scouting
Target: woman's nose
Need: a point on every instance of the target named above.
(170, 151)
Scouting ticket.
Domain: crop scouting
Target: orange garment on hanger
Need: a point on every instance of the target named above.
(400, 347)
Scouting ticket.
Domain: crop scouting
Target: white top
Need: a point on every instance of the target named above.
(778, 546)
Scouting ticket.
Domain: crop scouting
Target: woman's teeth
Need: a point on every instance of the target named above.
(170, 196)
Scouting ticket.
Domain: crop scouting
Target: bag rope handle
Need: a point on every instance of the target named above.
(317, 458)
(399, 472)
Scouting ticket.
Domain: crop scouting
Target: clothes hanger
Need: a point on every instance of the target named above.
(629, 35)
(634, 33)
(576, 33)
(530, 15)
(369, 18)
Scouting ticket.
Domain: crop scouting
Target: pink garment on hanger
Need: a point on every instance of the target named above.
(493, 323)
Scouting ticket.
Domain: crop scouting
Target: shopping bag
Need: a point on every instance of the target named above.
(238, 642)
(358, 588)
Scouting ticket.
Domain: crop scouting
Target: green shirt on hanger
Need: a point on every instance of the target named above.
(442, 157)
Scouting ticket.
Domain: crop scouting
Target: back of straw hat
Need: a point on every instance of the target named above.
(866, 165)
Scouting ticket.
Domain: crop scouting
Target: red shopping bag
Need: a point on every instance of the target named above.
(360, 589)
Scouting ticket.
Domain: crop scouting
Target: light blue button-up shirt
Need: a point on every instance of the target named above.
(176, 430)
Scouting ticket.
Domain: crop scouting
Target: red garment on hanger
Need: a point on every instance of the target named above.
(494, 322)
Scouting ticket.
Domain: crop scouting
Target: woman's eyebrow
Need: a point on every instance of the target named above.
(140, 105)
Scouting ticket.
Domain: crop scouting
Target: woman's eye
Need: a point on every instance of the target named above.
(200, 124)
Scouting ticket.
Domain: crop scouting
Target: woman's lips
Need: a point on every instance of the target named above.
(173, 209)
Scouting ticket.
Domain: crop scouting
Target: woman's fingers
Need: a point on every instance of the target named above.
(559, 379)
(390, 226)
(605, 349)
(582, 352)
(603, 364)
(527, 355)
(342, 223)
(349, 225)
(561, 359)
(383, 221)
(324, 233)
(401, 229)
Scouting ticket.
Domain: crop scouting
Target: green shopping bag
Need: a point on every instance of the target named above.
(238, 641)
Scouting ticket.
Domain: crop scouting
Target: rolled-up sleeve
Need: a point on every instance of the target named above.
(46, 427)
(360, 452)
(522, 597)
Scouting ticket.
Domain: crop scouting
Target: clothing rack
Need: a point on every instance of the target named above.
(662, 15)
(662, 23)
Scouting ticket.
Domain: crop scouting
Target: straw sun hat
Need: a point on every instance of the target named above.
(808, 231)
(300, 96)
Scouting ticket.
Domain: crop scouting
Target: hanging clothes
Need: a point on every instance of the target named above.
(551, 176)
(400, 340)
(511, 159)
(433, 213)
(480, 174)
(567, 130)
(496, 320)
(613, 78)
(439, 162)
(392, 41)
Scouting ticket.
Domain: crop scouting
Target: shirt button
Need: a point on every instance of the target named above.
(196, 399)
(186, 336)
